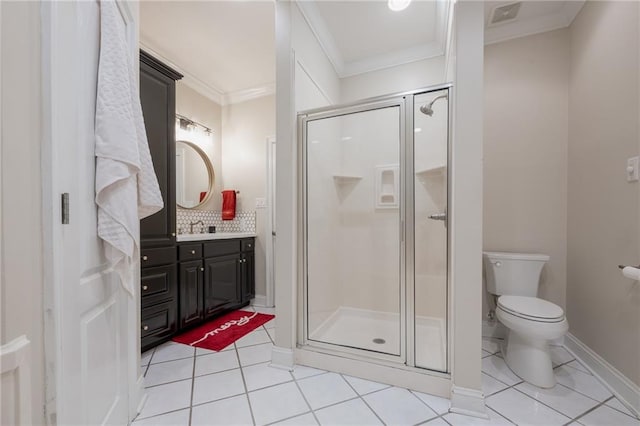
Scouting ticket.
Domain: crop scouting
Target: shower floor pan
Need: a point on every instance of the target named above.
(380, 332)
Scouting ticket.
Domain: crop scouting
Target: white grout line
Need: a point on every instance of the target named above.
(193, 384)
(244, 383)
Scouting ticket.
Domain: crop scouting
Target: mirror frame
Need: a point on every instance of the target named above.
(210, 172)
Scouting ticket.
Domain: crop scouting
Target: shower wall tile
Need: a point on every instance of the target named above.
(245, 221)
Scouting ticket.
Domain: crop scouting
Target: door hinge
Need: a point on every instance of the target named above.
(65, 208)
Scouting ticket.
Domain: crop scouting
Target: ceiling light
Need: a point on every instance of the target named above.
(398, 5)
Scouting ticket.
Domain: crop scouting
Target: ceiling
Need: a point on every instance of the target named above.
(363, 36)
(534, 17)
(225, 49)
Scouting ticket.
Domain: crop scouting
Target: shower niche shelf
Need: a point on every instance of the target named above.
(434, 171)
(387, 186)
(346, 179)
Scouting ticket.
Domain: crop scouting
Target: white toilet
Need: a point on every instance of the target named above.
(532, 322)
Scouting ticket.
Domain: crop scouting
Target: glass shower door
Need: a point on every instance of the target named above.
(431, 135)
(354, 272)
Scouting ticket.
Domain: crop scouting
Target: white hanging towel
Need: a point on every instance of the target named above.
(126, 184)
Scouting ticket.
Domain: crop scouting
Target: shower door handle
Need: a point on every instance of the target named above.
(438, 216)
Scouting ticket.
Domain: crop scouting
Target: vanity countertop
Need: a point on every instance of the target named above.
(214, 236)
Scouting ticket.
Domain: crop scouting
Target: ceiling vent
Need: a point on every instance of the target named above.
(504, 13)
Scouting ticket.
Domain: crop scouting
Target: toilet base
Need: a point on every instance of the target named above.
(529, 358)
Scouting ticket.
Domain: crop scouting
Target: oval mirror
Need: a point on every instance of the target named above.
(194, 175)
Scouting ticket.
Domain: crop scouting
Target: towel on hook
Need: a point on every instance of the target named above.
(126, 184)
(228, 204)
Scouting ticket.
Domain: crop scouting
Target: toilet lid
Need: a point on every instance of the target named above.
(531, 308)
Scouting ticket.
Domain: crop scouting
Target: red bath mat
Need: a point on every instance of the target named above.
(221, 332)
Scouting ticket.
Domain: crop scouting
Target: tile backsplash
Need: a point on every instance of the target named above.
(243, 222)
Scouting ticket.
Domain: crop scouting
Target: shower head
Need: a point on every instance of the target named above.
(428, 108)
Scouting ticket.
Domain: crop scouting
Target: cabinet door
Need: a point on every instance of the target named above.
(158, 284)
(248, 277)
(157, 97)
(221, 283)
(158, 324)
(191, 293)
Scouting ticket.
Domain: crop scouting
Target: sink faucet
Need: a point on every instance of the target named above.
(195, 223)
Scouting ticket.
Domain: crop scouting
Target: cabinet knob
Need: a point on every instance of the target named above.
(239, 260)
(193, 252)
(173, 234)
(202, 269)
(145, 257)
(145, 327)
(145, 287)
(249, 245)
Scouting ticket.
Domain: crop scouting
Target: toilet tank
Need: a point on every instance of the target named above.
(514, 274)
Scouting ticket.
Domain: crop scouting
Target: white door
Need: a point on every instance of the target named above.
(93, 322)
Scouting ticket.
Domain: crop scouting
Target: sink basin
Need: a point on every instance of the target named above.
(214, 236)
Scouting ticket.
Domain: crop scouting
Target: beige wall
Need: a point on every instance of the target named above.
(199, 108)
(400, 78)
(21, 191)
(525, 152)
(245, 129)
(604, 217)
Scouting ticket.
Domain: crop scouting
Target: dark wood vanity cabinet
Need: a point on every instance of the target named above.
(247, 271)
(158, 100)
(222, 287)
(191, 293)
(158, 273)
(181, 285)
(215, 276)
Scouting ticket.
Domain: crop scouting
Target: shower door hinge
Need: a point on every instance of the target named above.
(65, 208)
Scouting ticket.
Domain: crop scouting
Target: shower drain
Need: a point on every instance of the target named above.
(379, 341)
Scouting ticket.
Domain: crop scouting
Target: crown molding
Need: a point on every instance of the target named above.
(392, 59)
(319, 28)
(321, 32)
(189, 79)
(248, 94)
(522, 28)
(212, 93)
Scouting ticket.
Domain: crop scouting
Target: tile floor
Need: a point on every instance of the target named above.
(236, 386)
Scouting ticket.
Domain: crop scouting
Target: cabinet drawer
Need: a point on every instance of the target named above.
(248, 244)
(222, 247)
(189, 251)
(158, 322)
(157, 256)
(158, 284)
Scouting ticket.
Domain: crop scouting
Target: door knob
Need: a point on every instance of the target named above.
(438, 216)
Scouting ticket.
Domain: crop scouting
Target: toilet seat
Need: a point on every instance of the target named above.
(531, 308)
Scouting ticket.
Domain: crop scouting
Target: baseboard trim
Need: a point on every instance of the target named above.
(282, 358)
(260, 301)
(623, 388)
(469, 402)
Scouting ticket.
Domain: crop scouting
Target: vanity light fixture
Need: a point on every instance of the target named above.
(398, 5)
(188, 124)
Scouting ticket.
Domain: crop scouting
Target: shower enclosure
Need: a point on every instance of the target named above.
(375, 238)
